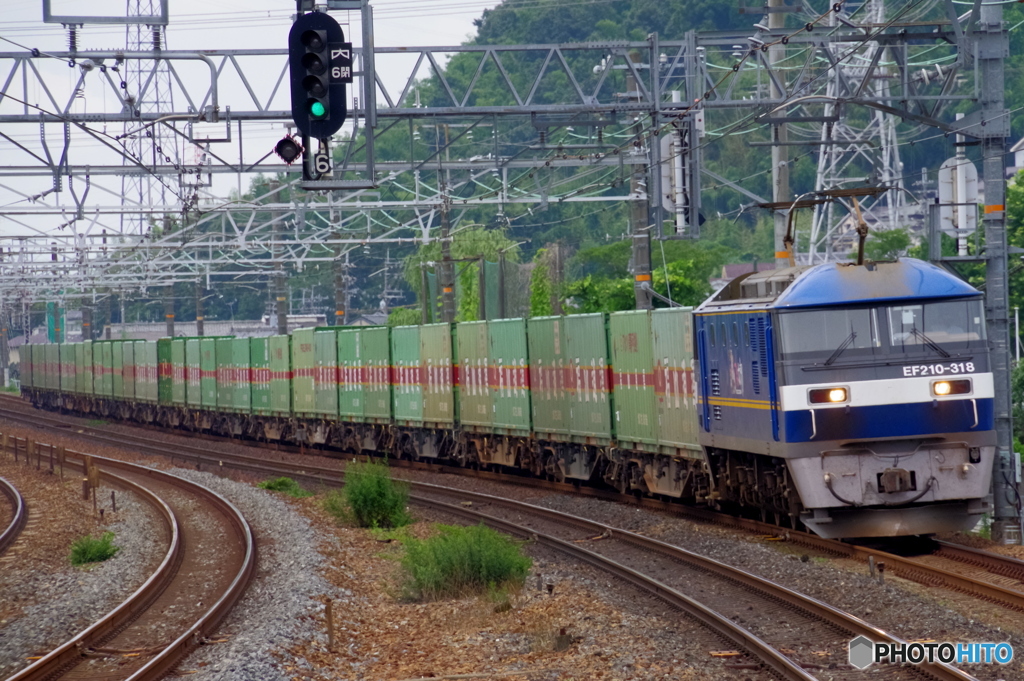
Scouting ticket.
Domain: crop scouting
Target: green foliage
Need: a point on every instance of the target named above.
(285, 486)
(404, 316)
(462, 559)
(373, 498)
(541, 286)
(93, 550)
(1017, 401)
(336, 506)
(607, 287)
(886, 245)
(467, 245)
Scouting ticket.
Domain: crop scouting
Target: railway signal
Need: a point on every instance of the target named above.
(288, 149)
(320, 64)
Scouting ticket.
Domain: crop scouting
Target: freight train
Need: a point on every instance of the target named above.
(854, 400)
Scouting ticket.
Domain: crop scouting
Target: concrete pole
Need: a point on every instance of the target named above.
(780, 135)
(200, 318)
(169, 309)
(86, 322)
(638, 222)
(340, 272)
(992, 33)
(446, 272)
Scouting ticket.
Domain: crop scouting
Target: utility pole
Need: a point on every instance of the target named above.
(5, 349)
(427, 298)
(992, 33)
(169, 309)
(199, 309)
(86, 322)
(556, 279)
(780, 136)
(446, 275)
(638, 227)
(340, 273)
(280, 283)
(110, 315)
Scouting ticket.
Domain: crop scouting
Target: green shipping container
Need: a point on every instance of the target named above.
(103, 369)
(25, 366)
(52, 353)
(128, 369)
(548, 375)
(117, 363)
(281, 375)
(474, 366)
(208, 372)
(225, 382)
(675, 384)
(509, 384)
(67, 367)
(146, 371)
(436, 366)
(83, 368)
(636, 421)
(240, 371)
(375, 346)
(165, 371)
(303, 368)
(587, 384)
(259, 374)
(179, 385)
(193, 386)
(407, 388)
(325, 375)
(352, 375)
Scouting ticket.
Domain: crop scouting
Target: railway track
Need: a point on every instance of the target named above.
(18, 515)
(786, 632)
(980, 574)
(209, 561)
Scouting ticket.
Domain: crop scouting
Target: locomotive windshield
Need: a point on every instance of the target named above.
(840, 334)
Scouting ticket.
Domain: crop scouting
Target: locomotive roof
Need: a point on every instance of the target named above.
(838, 284)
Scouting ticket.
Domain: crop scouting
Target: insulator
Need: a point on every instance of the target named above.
(157, 38)
(72, 38)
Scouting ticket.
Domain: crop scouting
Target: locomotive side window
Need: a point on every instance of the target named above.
(711, 334)
(735, 334)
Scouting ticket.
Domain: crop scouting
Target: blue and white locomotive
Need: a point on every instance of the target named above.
(858, 398)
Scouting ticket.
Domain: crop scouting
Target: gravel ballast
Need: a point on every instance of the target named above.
(59, 604)
(283, 606)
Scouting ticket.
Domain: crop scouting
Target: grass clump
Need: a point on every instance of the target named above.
(370, 498)
(92, 550)
(458, 560)
(285, 486)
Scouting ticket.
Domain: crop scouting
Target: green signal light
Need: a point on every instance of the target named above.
(317, 109)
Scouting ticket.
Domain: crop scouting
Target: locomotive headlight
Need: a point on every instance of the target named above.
(827, 395)
(961, 386)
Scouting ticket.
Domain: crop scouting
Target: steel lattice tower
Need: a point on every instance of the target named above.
(148, 89)
(856, 154)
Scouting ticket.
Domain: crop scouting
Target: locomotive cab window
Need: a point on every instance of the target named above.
(944, 325)
(827, 336)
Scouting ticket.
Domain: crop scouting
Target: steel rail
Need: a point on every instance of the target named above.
(166, 660)
(71, 651)
(810, 606)
(772, 658)
(907, 568)
(19, 518)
